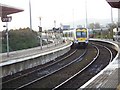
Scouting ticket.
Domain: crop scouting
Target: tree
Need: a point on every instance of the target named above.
(94, 26)
(97, 25)
(91, 26)
(20, 39)
(111, 26)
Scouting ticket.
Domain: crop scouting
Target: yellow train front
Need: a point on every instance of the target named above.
(81, 37)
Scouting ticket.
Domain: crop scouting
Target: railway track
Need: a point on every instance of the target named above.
(34, 75)
(63, 73)
(90, 70)
(69, 79)
(70, 71)
(28, 72)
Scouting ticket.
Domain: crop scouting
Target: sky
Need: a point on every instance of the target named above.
(62, 11)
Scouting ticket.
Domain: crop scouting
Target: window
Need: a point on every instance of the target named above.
(81, 34)
(118, 33)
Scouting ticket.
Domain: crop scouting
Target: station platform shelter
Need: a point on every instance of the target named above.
(8, 10)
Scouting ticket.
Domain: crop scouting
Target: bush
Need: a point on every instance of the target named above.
(20, 39)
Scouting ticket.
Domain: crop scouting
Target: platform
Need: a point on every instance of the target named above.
(30, 52)
(108, 78)
(28, 58)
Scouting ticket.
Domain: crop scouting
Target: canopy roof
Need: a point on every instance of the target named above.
(6, 10)
(114, 3)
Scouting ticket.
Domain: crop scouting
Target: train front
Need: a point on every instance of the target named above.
(82, 36)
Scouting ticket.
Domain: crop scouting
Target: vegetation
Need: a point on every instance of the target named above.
(111, 26)
(94, 25)
(108, 34)
(20, 39)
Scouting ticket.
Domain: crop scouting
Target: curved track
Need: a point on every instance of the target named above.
(66, 81)
(42, 72)
(65, 72)
(36, 70)
(104, 58)
(68, 71)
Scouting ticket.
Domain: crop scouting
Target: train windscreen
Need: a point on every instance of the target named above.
(81, 34)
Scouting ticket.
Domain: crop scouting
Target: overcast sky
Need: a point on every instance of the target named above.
(63, 11)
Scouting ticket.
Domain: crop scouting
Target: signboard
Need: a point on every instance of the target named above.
(40, 29)
(6, 19)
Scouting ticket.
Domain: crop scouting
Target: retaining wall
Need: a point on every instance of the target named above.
(10, 69)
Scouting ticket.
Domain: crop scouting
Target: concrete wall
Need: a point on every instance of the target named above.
(16, 67)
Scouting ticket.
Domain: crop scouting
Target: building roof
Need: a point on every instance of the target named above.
(114, 3)
(7, 10)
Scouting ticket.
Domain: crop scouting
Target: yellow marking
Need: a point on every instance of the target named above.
(81, 39)
(83, 30)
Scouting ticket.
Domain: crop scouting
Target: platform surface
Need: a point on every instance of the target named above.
(30, 52)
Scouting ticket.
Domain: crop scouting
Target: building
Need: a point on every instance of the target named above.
(66, 27)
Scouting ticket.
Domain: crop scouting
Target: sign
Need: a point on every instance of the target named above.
(119, 24)
(6, 19)
(40, 29)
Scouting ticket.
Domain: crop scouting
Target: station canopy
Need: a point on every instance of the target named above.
(7, 10)
(114, 3)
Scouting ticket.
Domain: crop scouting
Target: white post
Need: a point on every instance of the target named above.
(30, 15)
(55, 32)
(40, 21)
(86, 13)
(112, 16)
(55, 23)
(7, 39)
(73, 18)
(40, 34)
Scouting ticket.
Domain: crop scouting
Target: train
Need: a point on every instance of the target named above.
(91, 34)
(79, 36)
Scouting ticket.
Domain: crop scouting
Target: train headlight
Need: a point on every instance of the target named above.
(86, 41)
(76, 41)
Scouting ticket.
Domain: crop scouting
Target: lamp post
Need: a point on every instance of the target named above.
(112, 16)
(61, 33)
(40, 33)
(101, 34)
(30, 14)
(7, 19)
(7, 38)
(55, 23)
(73, 18)
(86, 13)
(55, 32)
